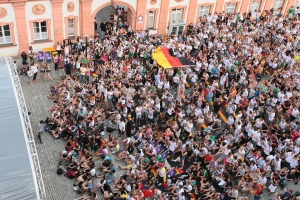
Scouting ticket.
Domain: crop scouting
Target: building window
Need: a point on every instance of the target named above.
(204, 10)
(230, 8)
(40, 30)
(5, 36)
(71, 29)
(176, 14)
(255, 6)
(151, 19)
(278, 4)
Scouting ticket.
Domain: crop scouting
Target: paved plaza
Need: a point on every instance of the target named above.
(59, 187)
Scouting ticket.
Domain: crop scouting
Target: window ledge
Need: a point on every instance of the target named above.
(41, 41)
(7, 45)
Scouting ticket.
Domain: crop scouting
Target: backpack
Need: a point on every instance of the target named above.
(106, 187)
(297, 194)
(71, 175)
(165, 185)
(109, 129)
(60, 171)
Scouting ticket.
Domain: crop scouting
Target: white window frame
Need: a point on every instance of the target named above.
(230, 8)
(204, 10)
(6, 37)
(297, 4)
(255, 6)
(176, 13)
(38, 33)
(71, 29)
(278, 4)
(151, 19)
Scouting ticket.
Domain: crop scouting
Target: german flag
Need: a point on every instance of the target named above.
(163, 58)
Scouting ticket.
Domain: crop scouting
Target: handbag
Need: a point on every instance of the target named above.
(60, 65)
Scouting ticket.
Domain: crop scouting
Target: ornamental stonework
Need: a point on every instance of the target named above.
(38, 9)
(70, 7)
(153, 2)
(3, 12)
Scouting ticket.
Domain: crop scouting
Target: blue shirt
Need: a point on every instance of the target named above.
(209, 96)
(214, 71)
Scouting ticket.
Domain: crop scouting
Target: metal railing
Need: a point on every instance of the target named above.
(28, 132)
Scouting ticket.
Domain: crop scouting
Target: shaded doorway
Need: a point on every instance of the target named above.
(106, 14)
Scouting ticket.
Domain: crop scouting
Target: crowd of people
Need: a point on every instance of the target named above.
(225, 128)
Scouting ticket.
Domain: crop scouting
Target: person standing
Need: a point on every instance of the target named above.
(95, 25)
(121, 128)
(82, 74)
(48, 71)
(102, 30)
(42, 70)
(257, 191)
(31, 54)
(68, 68)
(58, 48)
(34, 69)
(291, 12)
(67, 50)
(30, 76)
(40, 130)
(56, 59)
(61, 65)
(128, 127)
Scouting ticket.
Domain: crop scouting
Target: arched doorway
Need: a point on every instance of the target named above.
(103, 12)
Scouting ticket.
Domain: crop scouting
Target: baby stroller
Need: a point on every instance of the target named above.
(24, 68)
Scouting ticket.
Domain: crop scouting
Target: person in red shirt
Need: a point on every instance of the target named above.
(149, 192)
(208, 158)
(258, 191)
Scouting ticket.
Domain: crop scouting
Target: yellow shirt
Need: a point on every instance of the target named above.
(82, 70)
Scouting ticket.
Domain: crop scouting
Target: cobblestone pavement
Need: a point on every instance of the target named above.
(60, 187)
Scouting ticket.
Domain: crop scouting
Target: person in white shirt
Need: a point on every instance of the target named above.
(172, 147)
(253, 167)
(230, 121)
(262, 180)
(170, 110)
(188, 127)
(138, 112)
(256, 136)
(259, 122)
(121, 125)
(176, 81)
(296, 149)
(34, 69)
(294, 114)
(188, 187)
(127, 187)
(166, 85)
(181, 115)
(271, 116)
(160, 86)
(197, 112)
(292, 159)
